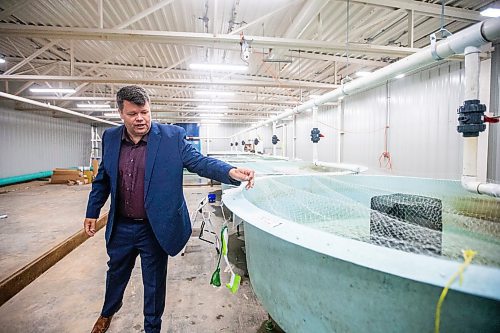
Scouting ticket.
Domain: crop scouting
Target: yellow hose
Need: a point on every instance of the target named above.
(468, 256)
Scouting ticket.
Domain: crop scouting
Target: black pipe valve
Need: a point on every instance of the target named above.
(470, 118)
(315, 135)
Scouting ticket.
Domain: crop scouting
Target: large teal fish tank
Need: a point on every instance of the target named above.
(364, 253)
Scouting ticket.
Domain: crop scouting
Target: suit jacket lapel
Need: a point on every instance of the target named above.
(153, 144)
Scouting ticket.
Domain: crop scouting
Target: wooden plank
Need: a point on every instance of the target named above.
(13, 284)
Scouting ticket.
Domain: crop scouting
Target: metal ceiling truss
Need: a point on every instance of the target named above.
(316, 56)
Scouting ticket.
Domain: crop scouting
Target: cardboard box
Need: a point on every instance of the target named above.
(62, 176)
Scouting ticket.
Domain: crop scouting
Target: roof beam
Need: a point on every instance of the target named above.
(264, 17)
(168, 100)
(162, 81)
(14, 8)
(307, 13)
(195, 39)
(426, 8)
(156, 72)
(32, 56)
(143, 14)
(327, 57)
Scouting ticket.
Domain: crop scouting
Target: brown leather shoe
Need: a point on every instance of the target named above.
(102, 324)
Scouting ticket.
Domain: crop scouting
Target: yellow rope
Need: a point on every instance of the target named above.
(468, 255)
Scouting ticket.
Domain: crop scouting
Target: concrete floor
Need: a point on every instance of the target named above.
(68, 297)
(39, 216)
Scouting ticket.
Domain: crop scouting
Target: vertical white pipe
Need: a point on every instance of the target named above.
(274, 133)
(315, 124)
(294, 137)
(100, 10)
(283, 142)
(208, 139)
(387, 116)
(411, 27)
(340, 147)
(469, 176)
(471, 92)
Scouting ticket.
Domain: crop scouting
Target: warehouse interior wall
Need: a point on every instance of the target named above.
(215, 137)
(413, 119)
(34, 142)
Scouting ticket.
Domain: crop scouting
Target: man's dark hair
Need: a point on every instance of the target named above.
(133, 94)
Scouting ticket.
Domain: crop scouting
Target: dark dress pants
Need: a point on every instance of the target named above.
(129, 239)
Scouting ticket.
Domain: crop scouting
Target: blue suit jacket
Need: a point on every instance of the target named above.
(167, 154)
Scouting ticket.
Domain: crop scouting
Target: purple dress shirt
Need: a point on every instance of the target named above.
(131, 167)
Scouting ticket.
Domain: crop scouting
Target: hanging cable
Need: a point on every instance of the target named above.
(347, 39)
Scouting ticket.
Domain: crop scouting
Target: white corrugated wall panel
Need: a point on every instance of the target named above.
(217, 131)
(424, 141)
(328, 126)
(303, 142)
(364, 124)
(422, 137)
(34, 142)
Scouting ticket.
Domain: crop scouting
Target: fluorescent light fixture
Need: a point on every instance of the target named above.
(52, 90)
(93, 106)
(399, 76)
(219, 67)
(211, 115)
(491, 12)
(363, 73)
(211, 107)
(214, 93)
(314, 96)
(112, 115)
(2, 61)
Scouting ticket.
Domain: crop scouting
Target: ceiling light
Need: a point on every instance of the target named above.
(363, 73)
(112, 115)
(52, 90)
(491, 12)
(93, 105)
(314, 96)
(2, 60)
(214, 93)
(218, 67)
(399, 76)
(212, 107)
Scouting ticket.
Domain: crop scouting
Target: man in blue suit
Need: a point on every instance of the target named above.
(142, 167)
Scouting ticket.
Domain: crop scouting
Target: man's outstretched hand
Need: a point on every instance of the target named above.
(243, 175)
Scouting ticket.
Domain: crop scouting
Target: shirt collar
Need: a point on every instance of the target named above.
(125, 137)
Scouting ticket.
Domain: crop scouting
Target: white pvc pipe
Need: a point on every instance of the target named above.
(476, 35)
(315, 124)
(274, 133)
(340, 144)
(469, 167)
(294, 138)
(56, 108)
